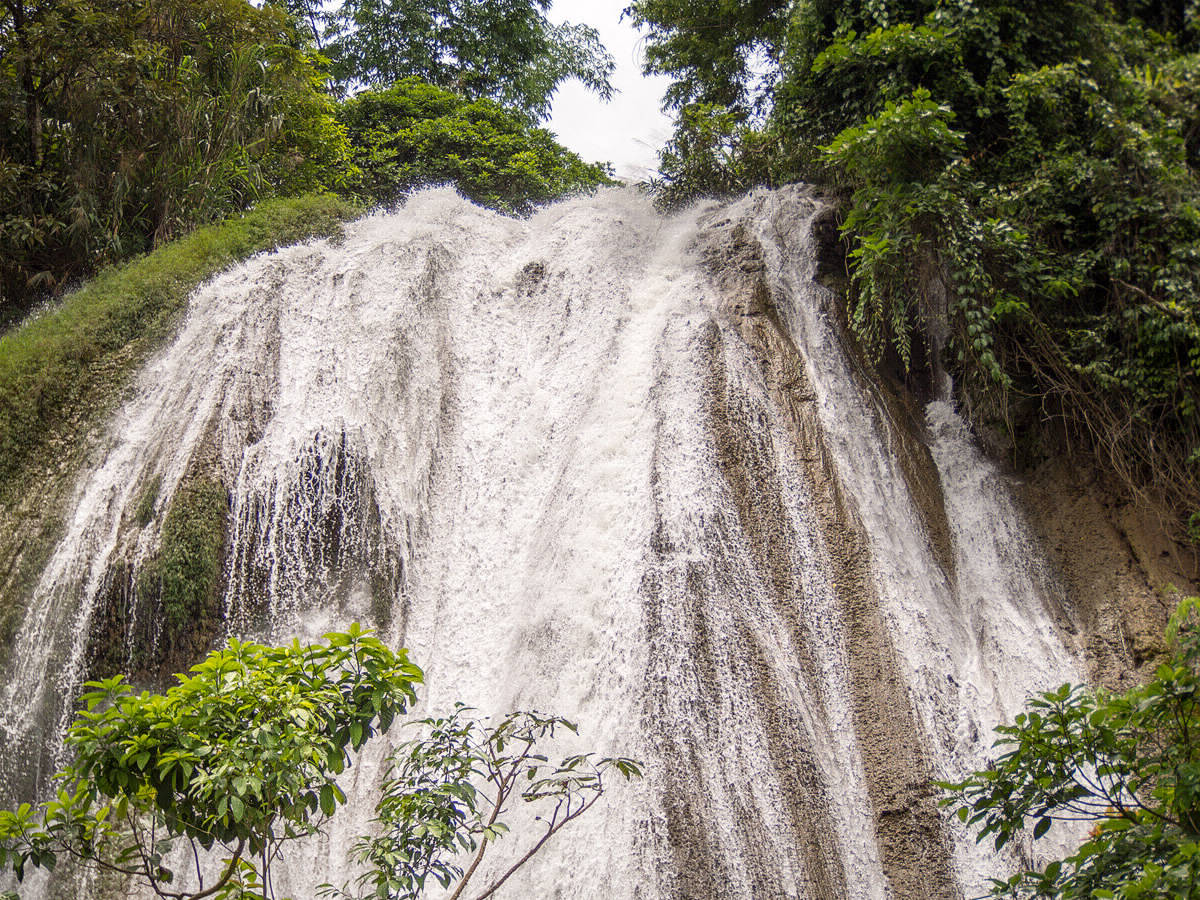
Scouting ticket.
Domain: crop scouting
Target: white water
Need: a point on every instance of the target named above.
(509, 428)
(975, 644)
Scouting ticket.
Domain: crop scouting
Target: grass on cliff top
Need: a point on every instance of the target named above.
(54, 367)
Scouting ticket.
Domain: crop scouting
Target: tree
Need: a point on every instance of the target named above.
(724, 53)
(242, 754)
(308, 14)
(415, 134)
(502, 50)
(124, 123)
(445, 794)
(1128, 762)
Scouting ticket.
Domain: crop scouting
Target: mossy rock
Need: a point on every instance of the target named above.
(163, 617)
(63, 372)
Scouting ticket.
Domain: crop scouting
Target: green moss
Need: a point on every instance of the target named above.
(187, 575)
(30, 553)
(144, 514)
(384, 596)
(52, 367)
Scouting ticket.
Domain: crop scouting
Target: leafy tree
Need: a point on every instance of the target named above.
(714, 150)
(242, 754)
(446, 792)
(1128, 762)
(415, 134)
(502, 50)
(309, 15)
(126, 122)
(721, 53)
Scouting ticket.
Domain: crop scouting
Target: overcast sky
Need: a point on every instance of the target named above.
(629, 130)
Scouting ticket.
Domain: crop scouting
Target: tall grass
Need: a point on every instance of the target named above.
(54, 367)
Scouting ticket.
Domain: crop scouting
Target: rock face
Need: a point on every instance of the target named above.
(620, 467)
(1114, 563)
(914, 848)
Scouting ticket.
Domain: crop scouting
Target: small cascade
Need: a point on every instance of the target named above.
(605, 463)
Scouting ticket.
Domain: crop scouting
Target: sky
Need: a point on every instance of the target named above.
(629, 130)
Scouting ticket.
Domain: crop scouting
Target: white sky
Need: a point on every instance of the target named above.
(629, 130)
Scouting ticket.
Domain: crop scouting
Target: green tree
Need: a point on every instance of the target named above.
(126, 122)
(242, 754)
(502, 50)
(724, 53)
(415, 133)
(308, 14)
(446, 792)
(1128, 762)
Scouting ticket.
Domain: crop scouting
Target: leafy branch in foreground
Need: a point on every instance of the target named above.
(446, 792)
(1128, 762)
(242, 755)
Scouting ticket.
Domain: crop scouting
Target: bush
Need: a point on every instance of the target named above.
(1128, 762)
(242, 754)
(416, 134)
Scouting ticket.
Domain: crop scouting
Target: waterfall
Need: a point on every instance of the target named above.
(609, 464)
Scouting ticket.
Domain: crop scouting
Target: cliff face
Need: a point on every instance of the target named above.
(624, 468)
(915, 850)
(1114, 561)
(1113, 575)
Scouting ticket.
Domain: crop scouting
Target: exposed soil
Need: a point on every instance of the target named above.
(1121, 575)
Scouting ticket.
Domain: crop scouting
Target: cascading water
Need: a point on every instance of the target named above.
(608, 464)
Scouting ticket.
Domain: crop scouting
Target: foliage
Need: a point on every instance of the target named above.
(55, 368)
(501, 50)
(309, 16)
(415, 133)
(124, 123)
(242, 754)
(720, 53)
(912, 142)
(1022, 179)
(723, 57)
(1129, 762)
(445, 793)
(144, 511)
(713, 151)
(187, 575)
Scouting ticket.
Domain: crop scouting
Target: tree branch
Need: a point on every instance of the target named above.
(550, 832)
